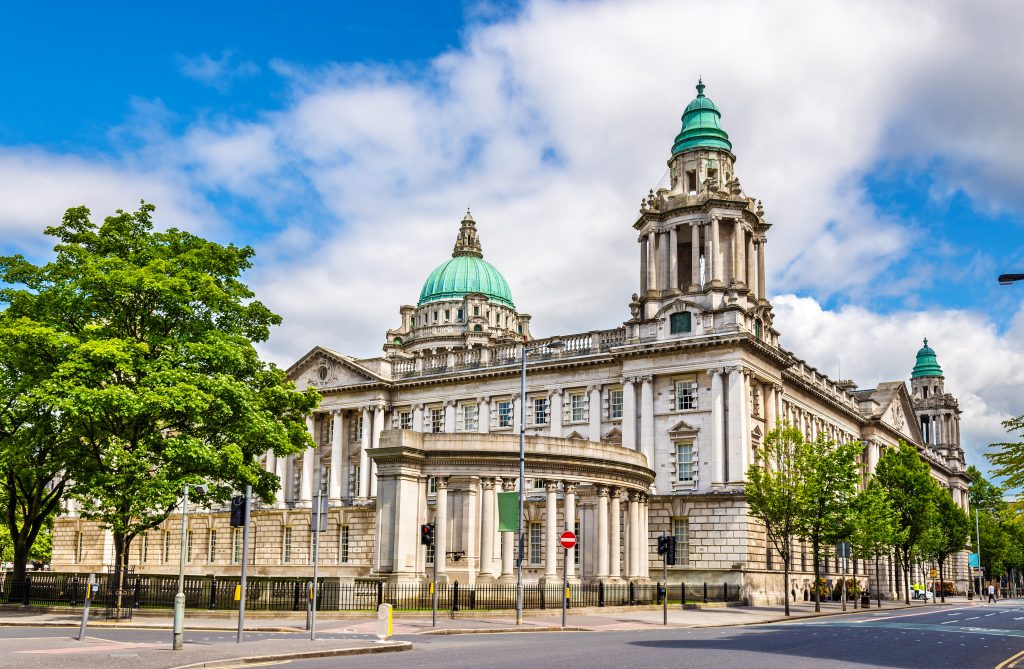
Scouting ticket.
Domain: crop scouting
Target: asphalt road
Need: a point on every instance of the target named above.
(955, 637)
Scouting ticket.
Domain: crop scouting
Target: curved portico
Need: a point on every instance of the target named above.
(453, 479)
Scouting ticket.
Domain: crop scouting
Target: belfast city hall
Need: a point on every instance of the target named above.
(634, 432)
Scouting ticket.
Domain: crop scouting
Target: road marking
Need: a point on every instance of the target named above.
(974, 618)
(902, 615)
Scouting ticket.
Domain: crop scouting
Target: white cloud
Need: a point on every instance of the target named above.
(218, 73)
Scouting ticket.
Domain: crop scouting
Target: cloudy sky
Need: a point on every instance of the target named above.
(344, 144)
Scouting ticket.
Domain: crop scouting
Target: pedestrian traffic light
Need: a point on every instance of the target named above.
(238, 511)
(427, 534)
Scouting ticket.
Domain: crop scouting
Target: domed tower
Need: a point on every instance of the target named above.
(465, 302)
(702, 241)
(938, 412)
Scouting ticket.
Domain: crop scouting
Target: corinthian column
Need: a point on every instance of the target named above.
(718, 454)
(364, 458)
(602, 532)
(508, 539)
(334, 484)
(628, 414)
(569, 511)
(716, 250)
(615, 532)
(760, 269)
(694, 257)
(751, 264)
(673, 258)
(739, 263)
(551, 530)
(487, 527)
(634, 536)
(306, 482)
(441, 525)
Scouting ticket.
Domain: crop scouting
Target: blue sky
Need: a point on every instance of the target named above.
(344, 141)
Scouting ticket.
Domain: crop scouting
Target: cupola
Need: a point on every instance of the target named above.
(701, 126)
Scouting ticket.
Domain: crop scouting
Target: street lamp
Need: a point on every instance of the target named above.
(1007, 279)
(523, 350)
(179, 599)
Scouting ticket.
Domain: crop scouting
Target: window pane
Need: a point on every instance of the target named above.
(615, 404)
(681, 531)
(684, 462)
(504, 414)
(686, 395)
(540, 411)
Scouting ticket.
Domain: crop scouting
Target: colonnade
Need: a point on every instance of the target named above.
(659, 262)
(940, 428)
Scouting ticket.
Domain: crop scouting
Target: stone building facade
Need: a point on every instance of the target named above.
(631, 432)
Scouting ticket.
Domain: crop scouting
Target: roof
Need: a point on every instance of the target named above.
(927, 363)
(701, 126)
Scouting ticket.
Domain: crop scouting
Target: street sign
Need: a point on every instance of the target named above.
(843, 550)
(973, 560)
(933, 573)
(567, 539)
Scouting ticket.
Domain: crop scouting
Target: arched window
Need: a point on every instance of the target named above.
(478, 328)
(680, 323)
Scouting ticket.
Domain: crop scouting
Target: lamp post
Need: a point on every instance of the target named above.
(178, 639)
(523, 350)
(1007, 279)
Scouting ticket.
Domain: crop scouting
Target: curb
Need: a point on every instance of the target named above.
(392, 647)
(503, 630)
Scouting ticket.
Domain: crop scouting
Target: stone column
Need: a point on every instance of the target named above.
(449, 416)
(615, 534)
(718, 453)
(306, 482)
(751, 264)
(441, 525)
(633, 545)
(760, 269)
(739, 262)
(483, 415)
(269, 461)
(694, 256)
(602, 532)
(716, 251)
(647, 419)
(508, 539)
(551, 531)
(334, 484)
(517, 412)
(652, 261)
(594, 393)
(569, 521)
(281, 469)
(628, 413)
(770, 417)
(643, 265)
(673, 258)
(645, 559)
(417, 417)
(739, 419)
(555, 409)
(378, 427)
(364, 458)
(709, 255)
(872, 456)
(487, 527)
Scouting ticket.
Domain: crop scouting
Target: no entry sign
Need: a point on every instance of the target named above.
(567, 539)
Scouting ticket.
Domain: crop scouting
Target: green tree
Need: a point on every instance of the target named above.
(874, 528)
(947, 532)
(829, 474)
(161, 385)
(1009, 458)
(773, 490)
(909, 486)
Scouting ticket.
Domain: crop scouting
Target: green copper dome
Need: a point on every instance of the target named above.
(927, 364)
(701, 127)
(467, 272)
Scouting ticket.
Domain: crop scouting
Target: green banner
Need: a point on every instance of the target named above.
(508, 511)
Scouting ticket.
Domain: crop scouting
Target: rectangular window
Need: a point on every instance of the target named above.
(145, 548)
(211, 553)
(359, 427)
(681, 531)
(437, 420)
(79, 545)
(803, 557)
(476, 310)
(431, 485)
(615, 404)
(768, 562)
(469, 418)
(462, 315)
(536, 543)
(684, 463)
(447, 315)
(188, 546)
(680, 323)
(405, 420)
(354, 483)
(344, 544)
(537, 484)
(167, 547)
(686, 395)
(287, 547)
(236, 546)
(505, 414)
(540, 411)
(578, 407)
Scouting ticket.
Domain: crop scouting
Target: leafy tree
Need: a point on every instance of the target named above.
(161, 385)
(947, 532)
(829, 473)
(874, 528)
(1009, 459)
(910, 488)
(984, 495)
(774, 488)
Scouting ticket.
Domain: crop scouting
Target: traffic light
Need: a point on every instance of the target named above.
(238, 511)
(662, 544)
(670, 551)
(427, 534)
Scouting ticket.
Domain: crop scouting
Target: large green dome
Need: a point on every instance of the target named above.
(463, 275)
(927, 363)
(701, 127)
(467, 272)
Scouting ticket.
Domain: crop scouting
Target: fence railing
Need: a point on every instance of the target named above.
(276, 594)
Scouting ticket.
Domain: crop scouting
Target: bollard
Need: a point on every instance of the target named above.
(385, 626)
(705, 592)
(682, 596)
(455, 596)
(600, 593)
(632, 593)
(380, 592)
(137, 596)
(74, 591)
(90, 588)
(213, 592)
(295, 596)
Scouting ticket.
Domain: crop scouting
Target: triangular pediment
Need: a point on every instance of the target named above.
(898, 414)
(324, 368)
(576, 435)
(683, 429)
(612, 436)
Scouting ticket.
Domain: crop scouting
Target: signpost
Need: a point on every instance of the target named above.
(843, 551)
(568, 540)
(318, 524)
(90, 590)
(245, 561)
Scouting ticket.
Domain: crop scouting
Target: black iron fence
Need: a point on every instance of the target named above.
(292, 594)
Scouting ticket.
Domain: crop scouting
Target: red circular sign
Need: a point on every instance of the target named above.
(567, 539)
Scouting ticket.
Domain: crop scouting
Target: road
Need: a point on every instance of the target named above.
(959, 638)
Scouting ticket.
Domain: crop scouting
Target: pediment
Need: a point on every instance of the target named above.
(576, 435)
(683, 429)
(612, 436)
(323, 368)
(899, 415)
(679, 304)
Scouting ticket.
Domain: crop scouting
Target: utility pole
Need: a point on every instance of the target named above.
(245, 561)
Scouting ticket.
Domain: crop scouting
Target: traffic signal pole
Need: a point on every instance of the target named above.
(433, 583)
(245, 562)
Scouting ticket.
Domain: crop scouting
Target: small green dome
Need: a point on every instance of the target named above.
(467, 272)
(927, 364)
(701, 127)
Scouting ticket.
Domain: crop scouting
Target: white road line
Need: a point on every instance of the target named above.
(974, 618)
(906, 615)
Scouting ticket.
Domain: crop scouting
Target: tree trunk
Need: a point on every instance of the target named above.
(817, 575)
(122, 546)
(785, 579)
(856, 585)
(906, 575)
(878, 583)
(942, 583)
